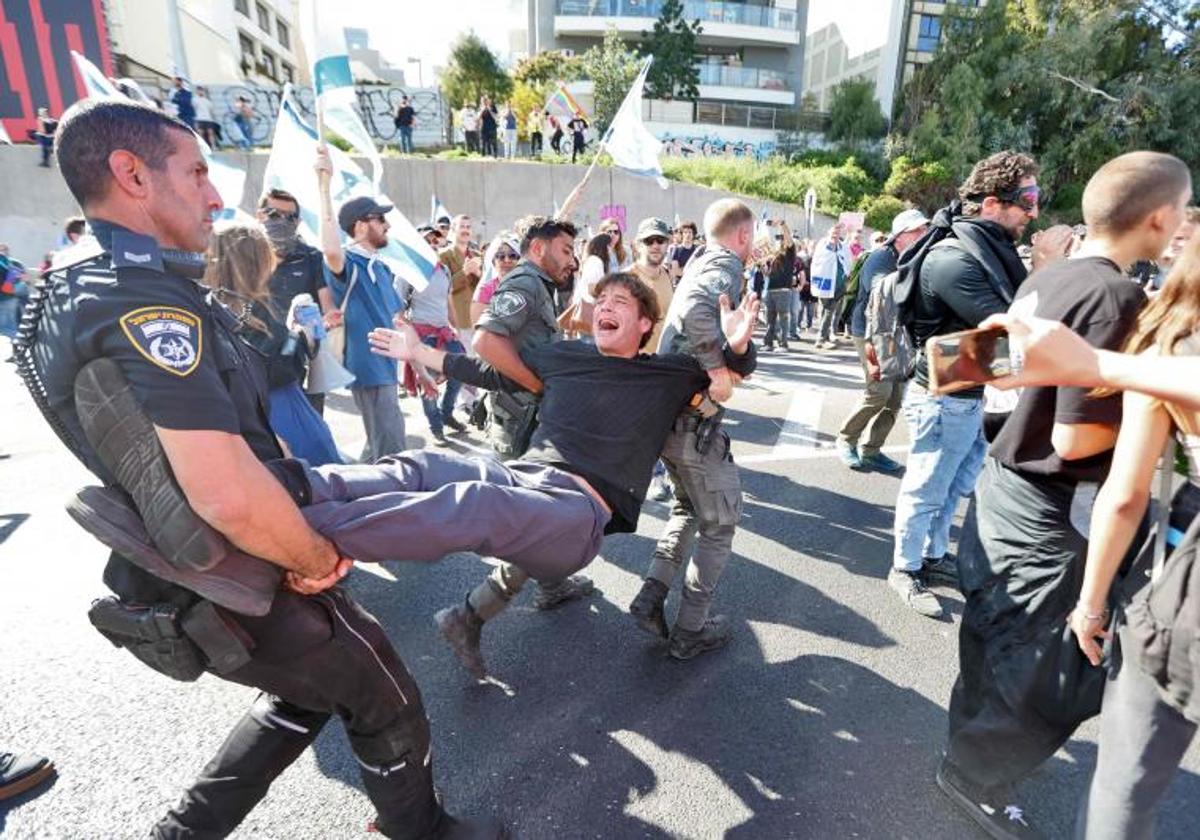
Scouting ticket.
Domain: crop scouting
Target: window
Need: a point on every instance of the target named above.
(281, 34)
(286, 72)
(247, 46)
(242, 6)
(268, 64)
(264, 18)
(929, 33)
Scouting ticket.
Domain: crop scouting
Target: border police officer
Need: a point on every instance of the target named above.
(708, 490)
(522, 315)
(125, 326)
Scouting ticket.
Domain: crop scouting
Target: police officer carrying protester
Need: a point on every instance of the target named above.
(521, 315)
(138, 370)
(708, 490)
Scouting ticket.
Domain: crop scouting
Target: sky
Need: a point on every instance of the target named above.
(402, 30)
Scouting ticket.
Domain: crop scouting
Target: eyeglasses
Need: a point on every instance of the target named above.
(655, 240)
(276, 213)
(508, 256)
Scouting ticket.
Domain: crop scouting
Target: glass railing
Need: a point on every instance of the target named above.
(744, 77)
(705, 11)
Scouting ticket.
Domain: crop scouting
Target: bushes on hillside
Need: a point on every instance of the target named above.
(838, 188)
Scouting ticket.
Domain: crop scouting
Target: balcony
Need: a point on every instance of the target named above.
(724, 22)
(751, 84)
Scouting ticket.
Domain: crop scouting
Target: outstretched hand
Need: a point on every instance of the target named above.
(738, 324)
(400, 343)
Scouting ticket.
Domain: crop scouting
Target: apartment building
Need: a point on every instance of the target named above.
(922, 32)
(829, 60)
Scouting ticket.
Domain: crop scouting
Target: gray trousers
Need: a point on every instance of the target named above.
(379, 406)
(424, 505)
(779, 316)
(877, 407)
(830, 307)
(1142, 741)
(708, 502)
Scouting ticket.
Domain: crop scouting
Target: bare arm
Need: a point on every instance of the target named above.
(1072, 441)
(231, 491)
(1119, 508)
(331, 238)
(500, 353)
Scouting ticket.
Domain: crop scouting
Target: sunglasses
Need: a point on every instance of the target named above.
(611, 231)
(276, 213)
(1027, 198)
(655, 240)
(374, 217)
(508, 256)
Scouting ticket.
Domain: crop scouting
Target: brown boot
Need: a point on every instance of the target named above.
(462, 628)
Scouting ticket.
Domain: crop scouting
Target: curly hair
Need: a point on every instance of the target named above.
(997, 175)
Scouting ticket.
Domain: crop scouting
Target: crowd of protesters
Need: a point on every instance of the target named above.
(1066, 597)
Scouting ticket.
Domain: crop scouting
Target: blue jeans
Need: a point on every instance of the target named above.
(405, 132)
(945, 459)
(247, 131)
(10, 315)
(435, 414)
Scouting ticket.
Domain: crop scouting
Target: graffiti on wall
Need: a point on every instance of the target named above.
(376, 104)
(36, 69)
(708, 145)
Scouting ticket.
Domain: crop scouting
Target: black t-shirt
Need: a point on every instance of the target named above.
(781, 269)
(577, 126)
(681, 254)
(404, 116)
(603, 418)
(487, 121)
(1095, 299)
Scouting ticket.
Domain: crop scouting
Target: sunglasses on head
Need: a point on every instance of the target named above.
(276, 213)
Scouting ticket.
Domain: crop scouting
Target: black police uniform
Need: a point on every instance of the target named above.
(132, 302)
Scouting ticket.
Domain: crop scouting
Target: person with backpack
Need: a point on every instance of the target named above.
(830, 267)
(880, 402)
(1023, 688)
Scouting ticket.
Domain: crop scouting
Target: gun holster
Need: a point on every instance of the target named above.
(708, 430)
(178, 643)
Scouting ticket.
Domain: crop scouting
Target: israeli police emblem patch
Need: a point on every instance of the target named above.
(167, 336)
(507, 303)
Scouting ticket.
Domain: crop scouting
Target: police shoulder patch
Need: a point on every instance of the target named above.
(169, 337)
(505, 304)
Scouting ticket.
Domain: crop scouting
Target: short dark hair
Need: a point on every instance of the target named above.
(1130, 187)
(647, 300)
(93, 129)
(544, 228)
(76, 225)
(277, 195)
(689, 226)
(998, 175)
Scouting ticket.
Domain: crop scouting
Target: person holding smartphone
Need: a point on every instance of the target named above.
(1021, 554)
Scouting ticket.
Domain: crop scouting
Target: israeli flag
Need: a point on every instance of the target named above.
(96, 83)
(628, 141)
(333, 82)
(290, 167)
(437, 210)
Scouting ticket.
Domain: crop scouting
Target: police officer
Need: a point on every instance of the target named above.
(133, 365)
(522, 314)
(708, 490)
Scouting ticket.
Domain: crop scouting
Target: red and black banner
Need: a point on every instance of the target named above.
(36, 70)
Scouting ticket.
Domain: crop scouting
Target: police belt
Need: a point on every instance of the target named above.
(688, 421)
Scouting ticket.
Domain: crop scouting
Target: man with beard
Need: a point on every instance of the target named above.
(298, 270)
(365, 291)
(652, 238)
(973, 273)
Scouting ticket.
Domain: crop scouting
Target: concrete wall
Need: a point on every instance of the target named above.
(494, 193)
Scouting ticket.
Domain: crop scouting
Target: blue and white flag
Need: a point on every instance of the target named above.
(4, 138)
(333, 82)
(97, 84)
(437, 210)
(628, 141)
(290, 167)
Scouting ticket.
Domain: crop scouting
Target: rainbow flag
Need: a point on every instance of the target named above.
(562, 101)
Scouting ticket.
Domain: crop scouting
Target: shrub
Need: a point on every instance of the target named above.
(880, 211)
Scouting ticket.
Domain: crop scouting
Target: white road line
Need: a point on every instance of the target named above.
(805, 455)
(799, 434)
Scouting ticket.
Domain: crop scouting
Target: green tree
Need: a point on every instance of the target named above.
(548, 67)
(473, 71)
(927, 185)
(880, 210)
(612, 69)
(854, 114)
(672, 42)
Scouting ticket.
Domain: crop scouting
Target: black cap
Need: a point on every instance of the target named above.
(356, 208)
(424, 229)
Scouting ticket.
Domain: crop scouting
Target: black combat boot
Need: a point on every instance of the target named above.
(647, 608)
(686, 644)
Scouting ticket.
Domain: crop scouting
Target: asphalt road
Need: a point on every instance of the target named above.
(824, 718)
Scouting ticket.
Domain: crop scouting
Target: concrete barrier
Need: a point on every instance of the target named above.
(35, 202)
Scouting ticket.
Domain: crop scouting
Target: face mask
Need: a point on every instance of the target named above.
(281, 232)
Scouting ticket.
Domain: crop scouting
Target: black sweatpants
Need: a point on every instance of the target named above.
(314, 657)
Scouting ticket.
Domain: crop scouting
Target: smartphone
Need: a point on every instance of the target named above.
(968, 359)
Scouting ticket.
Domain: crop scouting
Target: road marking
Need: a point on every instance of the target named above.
(799, 435)
(805, 455)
